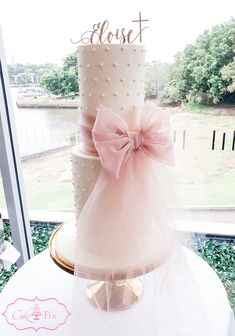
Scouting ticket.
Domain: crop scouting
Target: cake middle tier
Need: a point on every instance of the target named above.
(85, 170)
(112, 75)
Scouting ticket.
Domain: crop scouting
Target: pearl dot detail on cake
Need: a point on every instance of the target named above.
(122, 108)
(128, 64)
(107, 48)
(101, 65)
(122, 80)
(115, 64)
(88, 66)
(115, 94)
(89, 94)
(108, 80)
(122, 48)
(134, 80)
(134, 49)
(93, 49)
(128, 93)
(102, 95)
(95, 80)
(85, 79)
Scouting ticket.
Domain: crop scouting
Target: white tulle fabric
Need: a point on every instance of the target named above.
(126, 229)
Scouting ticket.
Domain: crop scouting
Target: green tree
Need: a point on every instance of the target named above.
(64, 80)
(198, 77)
(170, 93)
(70, 62)
(228, 74)
(28, 74)
(157, 75)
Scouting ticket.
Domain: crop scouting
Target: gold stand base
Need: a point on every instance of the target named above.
(114, 295)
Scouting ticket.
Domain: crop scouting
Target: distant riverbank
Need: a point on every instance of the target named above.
(47, 103)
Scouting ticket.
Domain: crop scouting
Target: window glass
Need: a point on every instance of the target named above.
(45, 137)
(2, 197)
(184, 62)
(204, 146)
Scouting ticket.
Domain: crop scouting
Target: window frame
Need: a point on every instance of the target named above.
(10, 167)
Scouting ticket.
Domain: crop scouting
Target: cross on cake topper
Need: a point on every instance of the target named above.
(100, 33)
(140, 25)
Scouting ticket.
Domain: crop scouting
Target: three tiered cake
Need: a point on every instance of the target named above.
(122, 227)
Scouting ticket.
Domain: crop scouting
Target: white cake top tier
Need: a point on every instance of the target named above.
(112, 75)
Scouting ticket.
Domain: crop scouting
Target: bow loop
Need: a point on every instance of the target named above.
(115, 144)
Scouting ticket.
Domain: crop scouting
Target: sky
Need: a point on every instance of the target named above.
(41, 31)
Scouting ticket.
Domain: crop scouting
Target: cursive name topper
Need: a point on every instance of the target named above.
(101, 34)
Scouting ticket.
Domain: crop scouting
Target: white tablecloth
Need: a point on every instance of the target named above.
(43, 288)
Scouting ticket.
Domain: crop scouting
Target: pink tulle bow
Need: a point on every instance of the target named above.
(115, 144)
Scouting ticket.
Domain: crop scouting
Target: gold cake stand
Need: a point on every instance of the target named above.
(105, 292)
(52, 249)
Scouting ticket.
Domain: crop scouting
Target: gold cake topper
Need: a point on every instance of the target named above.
(100, 33)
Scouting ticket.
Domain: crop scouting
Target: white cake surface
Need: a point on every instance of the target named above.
(96, 266)
(66, 243)
(112, 75)
(85, 170)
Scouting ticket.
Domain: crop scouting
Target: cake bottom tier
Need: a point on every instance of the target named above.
(71, 256)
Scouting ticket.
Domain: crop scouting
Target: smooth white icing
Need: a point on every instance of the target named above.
(133, 260)
(66, 243)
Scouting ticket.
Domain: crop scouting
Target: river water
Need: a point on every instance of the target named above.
(43, 129)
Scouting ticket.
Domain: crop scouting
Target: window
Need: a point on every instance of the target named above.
(204, 147)
(45, 138)
(2, 197)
